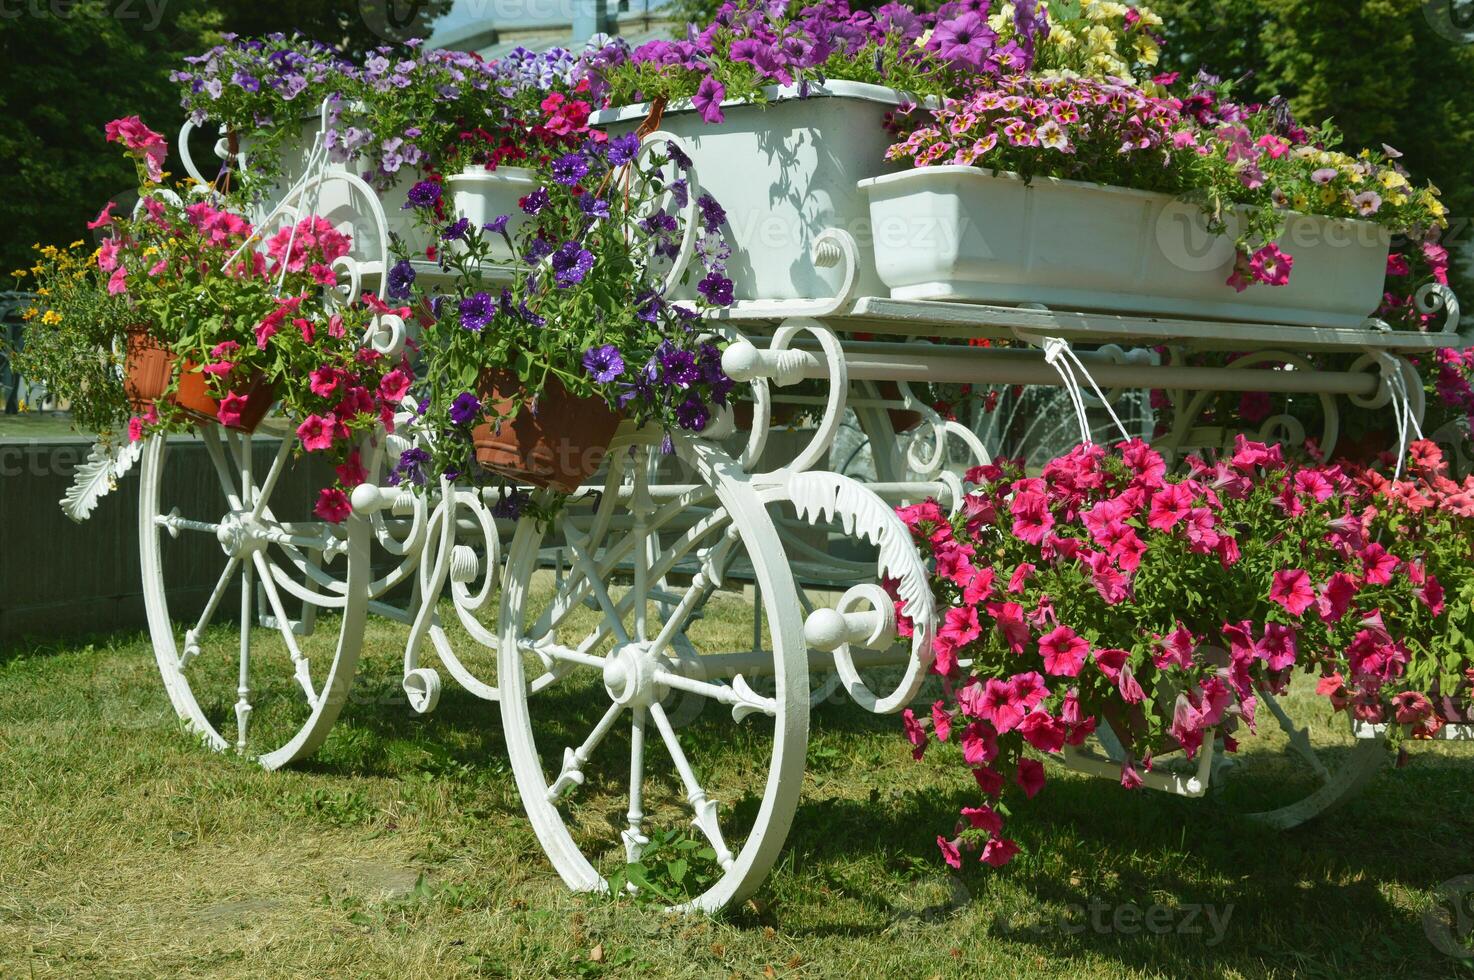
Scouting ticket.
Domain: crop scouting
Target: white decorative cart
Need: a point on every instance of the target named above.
(735, 584)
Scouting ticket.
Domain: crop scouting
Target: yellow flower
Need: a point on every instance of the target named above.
(19, 273)
(43, 291)
(1392, 179)
(30, 313)
(1147, 51)
(51, 318)
(1062, 38)
(1397, 199)
(1300, 202)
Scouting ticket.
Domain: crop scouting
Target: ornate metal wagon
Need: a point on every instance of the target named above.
(736, 582)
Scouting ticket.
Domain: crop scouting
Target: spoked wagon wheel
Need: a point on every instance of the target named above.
(236, 570)
(1300, 765)
(603, 765)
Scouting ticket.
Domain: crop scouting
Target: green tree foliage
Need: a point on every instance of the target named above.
(1387, 71)
(72, 65)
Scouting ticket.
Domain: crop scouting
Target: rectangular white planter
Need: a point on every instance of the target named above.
(785, 171)
(343, 206)
(961, 233)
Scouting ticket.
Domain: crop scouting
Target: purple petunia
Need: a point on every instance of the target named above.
(411, 467)
(498, 225)
(534, 202)
(594, 207)
(571, 263)
(692, 414)
(401, 279)
(569, 170)
(717, 289)
(965, 41)
(457, 231)
(604, 363)
(708, 99)
(622, 149)
(465, 409)
(677, 367)
(712, 214)
(424, 195)
(476, 311)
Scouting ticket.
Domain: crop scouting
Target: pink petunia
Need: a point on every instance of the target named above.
(1292, 589)
(316, 432)
(915, 734)
(231, 407)
(1169, 505)
(1064, 651)
(1030, 776)
(941, 721)
(332, 505)
(1378, 564)
(351, 472)
(998, 852)
(983, 818)
(949, 850)
(1043, 731)
(1335, 597)
(107, 255)
(1411, 707)
(979, 744)
(999, 705)
(324, 381)
(105, 216)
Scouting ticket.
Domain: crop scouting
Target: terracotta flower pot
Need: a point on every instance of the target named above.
(560, 444)
(148, 368)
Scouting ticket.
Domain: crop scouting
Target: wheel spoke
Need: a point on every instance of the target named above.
(633, 836)
(173, 523)
(192, 637)
(300, 666)
(243, 683)
(575, 759)
(601, 594)
(704, 808)
(743, 699)
(283, 453)
(1299, 737)
(210, 435)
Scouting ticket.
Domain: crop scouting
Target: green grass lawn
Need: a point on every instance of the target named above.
(401, 849)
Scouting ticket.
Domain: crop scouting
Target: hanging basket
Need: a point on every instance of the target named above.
(148, 369)
(557, 443)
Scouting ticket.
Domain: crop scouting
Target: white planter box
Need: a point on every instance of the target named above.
(343, 206)
(484, 195)
(961, 233)
(785, 171)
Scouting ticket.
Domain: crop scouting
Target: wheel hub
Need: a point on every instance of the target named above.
(240, 536)
(629, 675)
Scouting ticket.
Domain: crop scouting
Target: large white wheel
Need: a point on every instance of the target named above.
(233, 588)
(624, 642)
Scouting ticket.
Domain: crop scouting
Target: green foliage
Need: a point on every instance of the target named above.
(70, 67)
(674, 867)
(1380, 69)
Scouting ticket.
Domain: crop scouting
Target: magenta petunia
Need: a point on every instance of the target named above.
(1292, 590)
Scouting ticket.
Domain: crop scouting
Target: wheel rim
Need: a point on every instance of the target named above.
(270, 684)
(624, 682)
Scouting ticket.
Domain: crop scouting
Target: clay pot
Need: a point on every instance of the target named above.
(560, 445)
(148, 368)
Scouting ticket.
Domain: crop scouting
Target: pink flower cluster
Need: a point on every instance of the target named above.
(1058, 116)
(1106, 591)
